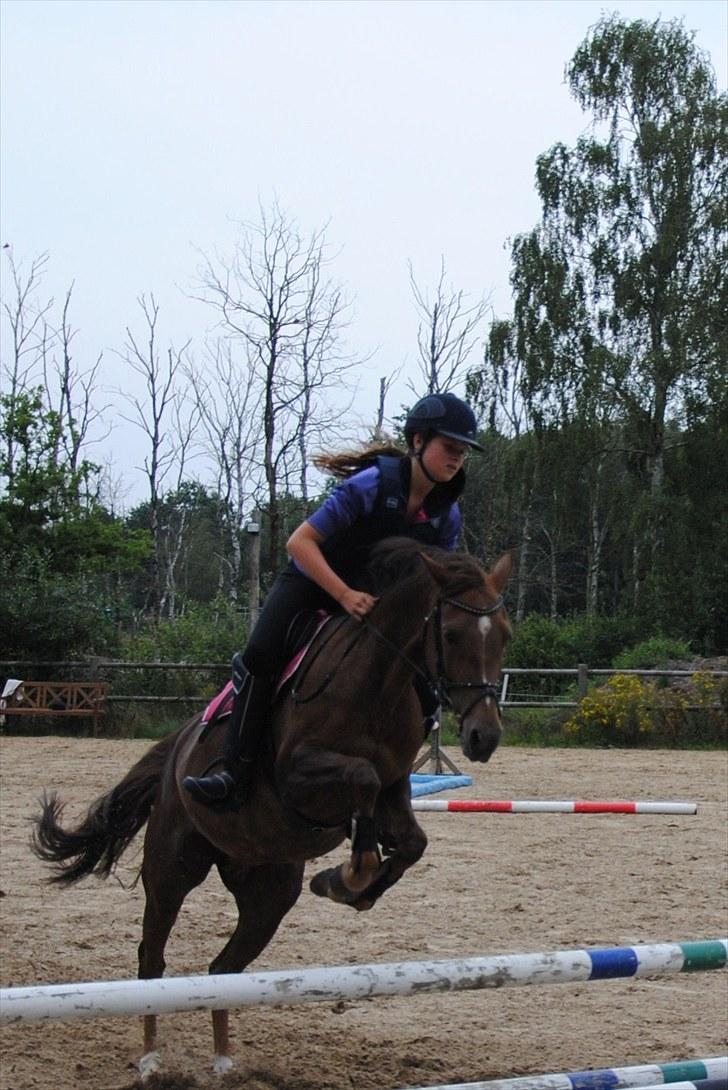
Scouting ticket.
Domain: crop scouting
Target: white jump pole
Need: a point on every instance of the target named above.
(546, 806)
(166, 995)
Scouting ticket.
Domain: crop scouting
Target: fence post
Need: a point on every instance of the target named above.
(583, 680)
(253, 529)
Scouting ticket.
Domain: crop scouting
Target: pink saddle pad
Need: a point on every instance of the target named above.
(222, 704)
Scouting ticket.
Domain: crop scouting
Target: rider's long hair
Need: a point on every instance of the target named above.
(348, 462)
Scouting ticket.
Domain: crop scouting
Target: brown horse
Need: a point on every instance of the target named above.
(343, 741)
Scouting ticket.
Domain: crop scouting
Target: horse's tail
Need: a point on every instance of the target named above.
(112, 821)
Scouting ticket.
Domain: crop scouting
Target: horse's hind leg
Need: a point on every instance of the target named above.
(172, 867)
(263, 895)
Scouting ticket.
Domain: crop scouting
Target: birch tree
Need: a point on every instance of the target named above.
(621, 290)
(228, 399)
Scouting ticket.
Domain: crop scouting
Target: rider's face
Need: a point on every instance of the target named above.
(442, 456)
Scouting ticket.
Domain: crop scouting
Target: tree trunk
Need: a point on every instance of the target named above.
(155, 581)
(594, 562)
(594, 557)
(524, 557)
(553, 580)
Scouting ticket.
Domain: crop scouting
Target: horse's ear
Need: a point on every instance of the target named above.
(501, 573)
(437, 571)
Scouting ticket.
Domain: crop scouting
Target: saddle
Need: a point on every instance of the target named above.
(302, 631)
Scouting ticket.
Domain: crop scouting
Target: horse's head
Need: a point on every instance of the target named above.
(471, 630)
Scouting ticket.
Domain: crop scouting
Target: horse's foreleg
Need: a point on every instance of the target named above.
(263, 895)
(346, 882)
(398, 825)
(326, 786)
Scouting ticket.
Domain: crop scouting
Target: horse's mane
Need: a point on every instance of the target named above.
(399, 558)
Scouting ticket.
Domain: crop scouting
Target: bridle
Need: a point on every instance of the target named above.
(484, 689)
(439, 681)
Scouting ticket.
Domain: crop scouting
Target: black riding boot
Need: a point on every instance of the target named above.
(248, 718)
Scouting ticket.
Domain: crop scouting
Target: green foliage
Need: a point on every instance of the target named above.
(541, 727)
(204, 633)
(47, 508)
(619, 711)
(653, 652)
(209, 632)
(192, 525)
(548, 643)
(39, 485)
(47, 614)
(610, 376)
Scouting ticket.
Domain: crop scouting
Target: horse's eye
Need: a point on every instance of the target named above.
(451, 636)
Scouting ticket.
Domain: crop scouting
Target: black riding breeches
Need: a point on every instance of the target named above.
(290, 593)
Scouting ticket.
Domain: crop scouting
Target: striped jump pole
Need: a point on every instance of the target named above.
(218, 992)
(547, 806)
(540, 1084)
(710, 1074)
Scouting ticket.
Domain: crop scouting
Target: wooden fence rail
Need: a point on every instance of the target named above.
(99, 668)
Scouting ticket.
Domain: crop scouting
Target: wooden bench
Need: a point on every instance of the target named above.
(59, 698)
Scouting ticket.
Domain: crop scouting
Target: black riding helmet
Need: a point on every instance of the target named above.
(443, 414)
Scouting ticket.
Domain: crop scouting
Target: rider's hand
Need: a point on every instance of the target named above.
(357, 603)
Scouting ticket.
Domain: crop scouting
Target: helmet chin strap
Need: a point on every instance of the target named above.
(423, 467)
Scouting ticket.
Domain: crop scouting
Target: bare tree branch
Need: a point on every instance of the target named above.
(273, 298)
(27, 318)
(228, 403)
(151, 414)
(448, 331)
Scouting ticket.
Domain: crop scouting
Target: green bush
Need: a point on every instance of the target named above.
(50, 615)
(540, 641)
(651, 653)
(205, 633)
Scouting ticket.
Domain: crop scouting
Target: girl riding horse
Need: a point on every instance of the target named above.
(384, 493)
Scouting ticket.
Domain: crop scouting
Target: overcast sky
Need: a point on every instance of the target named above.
(136, 133)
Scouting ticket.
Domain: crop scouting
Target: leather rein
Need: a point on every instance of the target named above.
(438, 681)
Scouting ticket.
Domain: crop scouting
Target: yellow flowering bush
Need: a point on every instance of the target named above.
(628, 710)
(620, 712)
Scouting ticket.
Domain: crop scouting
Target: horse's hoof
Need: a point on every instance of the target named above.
(363, 904)
(320, 884)
(222, 1064)
(327, 883)
(149, 1065)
